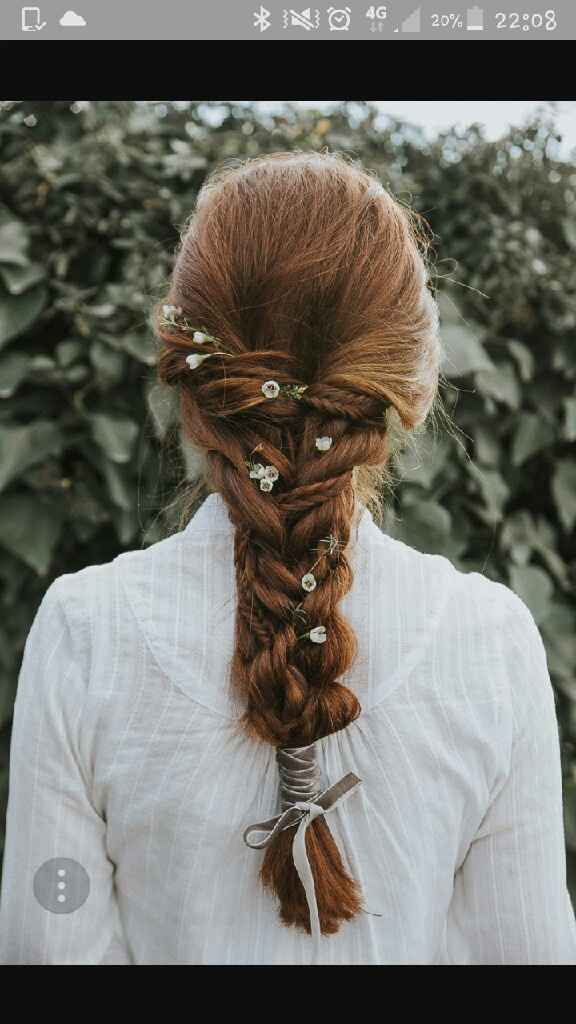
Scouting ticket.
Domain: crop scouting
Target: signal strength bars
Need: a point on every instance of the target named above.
(413, 23)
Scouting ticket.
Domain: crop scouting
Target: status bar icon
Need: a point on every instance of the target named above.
(262, 19)
(31, 20)
(475, 19)
(413, 23)
(308, 19)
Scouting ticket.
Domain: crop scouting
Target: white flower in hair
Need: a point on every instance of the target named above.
(200, 338)
(271, 389)
(318, 634)
(171, 311)
(309, 581)
(323, 443)
(257, 471)
(195, 359)
(266, 484)
(271, 473)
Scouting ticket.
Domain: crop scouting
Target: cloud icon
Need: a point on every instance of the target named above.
(72, 20)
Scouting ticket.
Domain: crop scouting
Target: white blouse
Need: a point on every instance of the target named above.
(131, 785)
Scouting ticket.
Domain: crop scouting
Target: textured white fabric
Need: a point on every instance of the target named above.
(127, 758)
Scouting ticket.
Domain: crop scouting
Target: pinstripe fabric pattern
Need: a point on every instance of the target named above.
(126, 757)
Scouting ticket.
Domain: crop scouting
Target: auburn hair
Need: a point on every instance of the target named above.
(309, 272)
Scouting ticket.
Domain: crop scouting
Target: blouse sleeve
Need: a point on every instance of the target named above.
(511, 903)
(58, 903)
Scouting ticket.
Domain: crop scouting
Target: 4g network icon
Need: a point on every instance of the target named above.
(308, 19)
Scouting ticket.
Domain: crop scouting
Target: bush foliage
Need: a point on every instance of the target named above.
(92, 200)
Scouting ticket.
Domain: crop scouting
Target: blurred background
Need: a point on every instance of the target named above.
(92, 199)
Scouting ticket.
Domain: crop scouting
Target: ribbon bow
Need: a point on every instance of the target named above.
(299, 781)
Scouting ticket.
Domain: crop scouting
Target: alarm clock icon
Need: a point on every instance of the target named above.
(339, 18)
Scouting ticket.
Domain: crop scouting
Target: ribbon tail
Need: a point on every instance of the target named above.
(304, 870)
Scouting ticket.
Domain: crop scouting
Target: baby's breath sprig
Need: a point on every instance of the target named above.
(308, 581)
(173, 316)
(300, 614)
(267, 475)
(295, 390)
(317, 635)
(271, 389)
(332, 542)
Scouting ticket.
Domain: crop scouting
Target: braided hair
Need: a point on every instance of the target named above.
(309, 273)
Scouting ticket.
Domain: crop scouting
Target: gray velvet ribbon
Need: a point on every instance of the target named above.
(302, 801)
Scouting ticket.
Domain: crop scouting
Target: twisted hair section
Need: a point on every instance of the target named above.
(309, 274)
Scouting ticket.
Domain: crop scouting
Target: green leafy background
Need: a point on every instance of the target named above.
(92, 199)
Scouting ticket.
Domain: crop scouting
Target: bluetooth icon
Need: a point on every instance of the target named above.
(262, 19)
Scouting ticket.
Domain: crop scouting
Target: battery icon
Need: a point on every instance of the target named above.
(475, 19)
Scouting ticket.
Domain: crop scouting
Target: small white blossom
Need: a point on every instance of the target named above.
(266, 484)
(309, 581)
(171, 311)
(271, 473)
(271, 389)
(257, 471)
(318, 634)
(323, 443)
(195, 359)
(200, 338)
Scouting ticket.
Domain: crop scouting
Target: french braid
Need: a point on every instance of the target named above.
(306, 272)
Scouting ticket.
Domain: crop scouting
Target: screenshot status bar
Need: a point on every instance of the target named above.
(395, 20)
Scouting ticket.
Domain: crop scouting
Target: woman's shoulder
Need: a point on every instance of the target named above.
(102, 586)
(422, 578)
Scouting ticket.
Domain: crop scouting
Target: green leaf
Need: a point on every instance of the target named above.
(494, 489)
(519, 528)
(564, 492)
(125, 524)
(18, 312)
(547, 393)
(8, 687)
(450, 312)
(140, 347)
(19, 279)
(30, 530)
(69, 350)
(85, 508)
(535, 587)
(569, 809)
(424, 526)
(13, 243)
(524, 359)
(502, 384)
(531, 436)
(121, 489)
(488, 447)
(521, 553)
(108, 363)
(21, 447)
(194, 459)
(162, 403)
(13, 369)
(523, 535)
(424, 462)
(464, 351)
(561, 643)
(116, 435)
(569, 228)
(569, 429)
